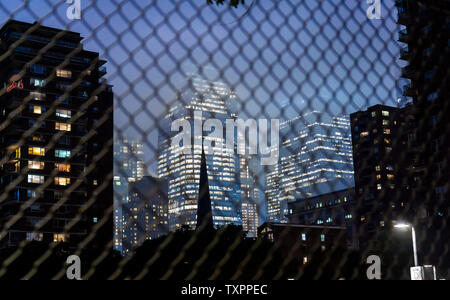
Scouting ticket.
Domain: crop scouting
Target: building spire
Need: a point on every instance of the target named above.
(204, 211)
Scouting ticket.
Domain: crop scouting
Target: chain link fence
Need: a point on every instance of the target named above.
(242, 140)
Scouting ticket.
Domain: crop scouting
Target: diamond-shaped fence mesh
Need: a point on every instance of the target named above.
(289, 139)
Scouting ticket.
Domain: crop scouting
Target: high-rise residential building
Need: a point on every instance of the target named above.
(180, 165)
(426, 33)
(129, 167)
(58, 117)
(145, 214)
(315, 159)
(251, 197)
(379, 140)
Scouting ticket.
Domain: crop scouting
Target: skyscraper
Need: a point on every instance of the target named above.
(426, 32)
(379, 140)
(129, 167)
(182, 169)
(250, 196)
(315, 159)
(53, 150)
(145, 213)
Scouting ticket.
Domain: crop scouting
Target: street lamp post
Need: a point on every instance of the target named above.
(413, 232)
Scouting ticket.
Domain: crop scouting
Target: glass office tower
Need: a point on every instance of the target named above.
(182, 170)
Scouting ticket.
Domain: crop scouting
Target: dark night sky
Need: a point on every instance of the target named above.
(283, 54)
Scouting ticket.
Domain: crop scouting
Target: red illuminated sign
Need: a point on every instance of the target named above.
(15, 85)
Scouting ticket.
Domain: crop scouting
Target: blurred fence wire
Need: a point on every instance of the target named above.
(223, 139)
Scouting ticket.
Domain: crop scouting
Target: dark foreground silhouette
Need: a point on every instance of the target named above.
(222, 254)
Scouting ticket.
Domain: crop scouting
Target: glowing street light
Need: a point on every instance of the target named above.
(413, 231)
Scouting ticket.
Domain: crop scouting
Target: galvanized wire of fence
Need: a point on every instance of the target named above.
(282, 60)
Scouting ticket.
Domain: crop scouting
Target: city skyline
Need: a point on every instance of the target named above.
(139, 81)
(135, 148)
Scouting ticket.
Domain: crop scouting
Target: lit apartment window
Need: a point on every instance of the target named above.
(386, 131)
(37, 138)
(322, 237)
(385, 122)
(63, 126)
(390, 177)
(37, 179)
(38, 151)
(38, 69)
(64, 73)
(385, 113)
(305, 260)
(37, 82)
(378, 177)
(62, 181)
(35, 236)
(59, 238)
(37, 96)
(36, 109)
(303, 236)
(374, 114)
(364, 134)
(64, 113)
(36, 165)
(378, 168)
(18, 154)
(63, 167)
(379, 186)
(62, 153)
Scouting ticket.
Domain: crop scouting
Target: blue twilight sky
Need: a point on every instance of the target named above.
(282, 58)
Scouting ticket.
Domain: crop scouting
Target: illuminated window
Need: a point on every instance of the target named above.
(18, 154)
(62, 153)
(303, 236)
(64, 113)
(64, 73)
(95, 182)
(379, 186)
(385, 113)
(364, 134)
(38, 69)
(322, 237)
(305, 260)
(37, 96)
(37, 138)
(390, 177)
(378, 168)
(374, 114)
(387, 131)
(35, 236)
(63, 126)
(36, 165)
(38, 151)
(63, 167)
(37, 82)
(36, 179)
(378, 177)
(385, 122)
(37, 109)
(59, 238)
(62, 181)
